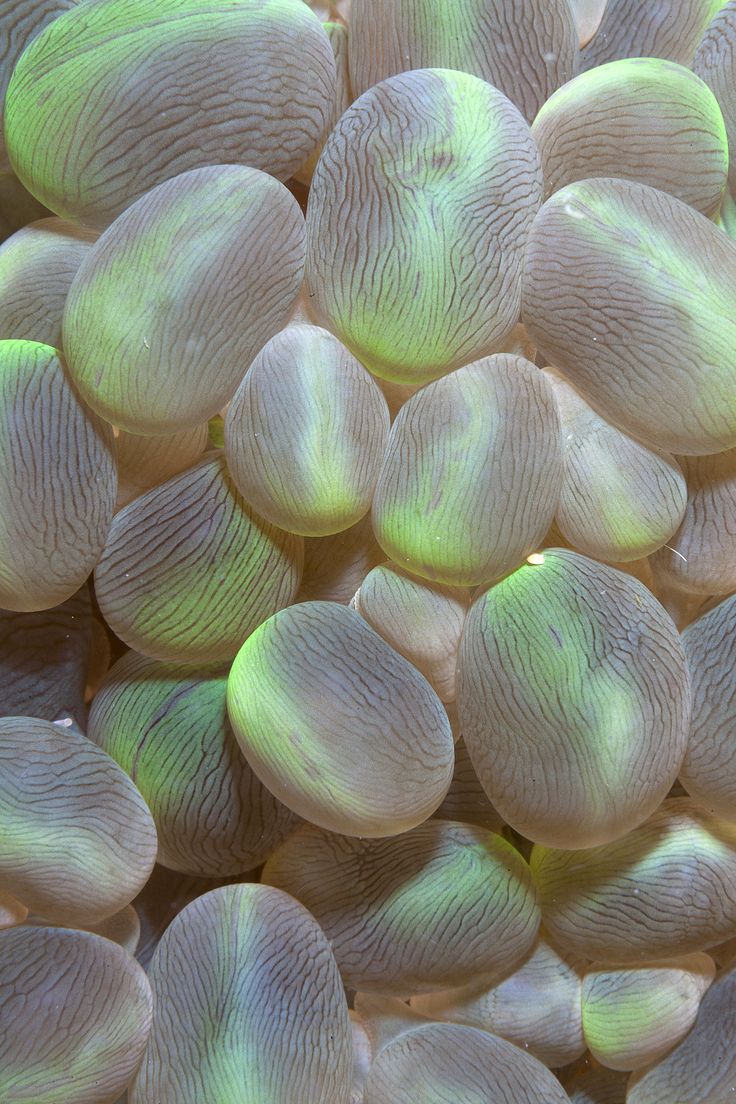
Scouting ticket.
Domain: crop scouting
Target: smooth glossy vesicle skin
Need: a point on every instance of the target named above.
(44, 659)
(471, 476)
(418, 216)
(642, 119)
(305, 433)
(428, 909)
(525, 48)
(339, 726)
(629, 293)
(708, 771)
(537, 1007)
(249, 1006)
(715, 62)
(166, 725)
(171, 304)
(703, 1066)
(189, 570)
(573, 699)
(75, 1014)
(137, 91)
(77, 840)
(443, 1062)
(667, 29)
(700, 557)
(37, 266)
(620, 500)
(633, 1016)
(20, 22)
(337, 34)
(421, 620)
(57, 480)
(667, 888)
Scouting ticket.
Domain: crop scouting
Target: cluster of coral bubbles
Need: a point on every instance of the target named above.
(367, 552)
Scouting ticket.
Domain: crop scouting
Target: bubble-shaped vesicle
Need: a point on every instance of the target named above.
(170, 305)
(77, 839)
(418, 215)
(428, 909)
(629, 293)
(667, 888)
(708, 771)
(471, 476)
(525, 48)
(57, 480)
(641, 119)
(133, 96)
(421, 620)
(75, 1013)
(668, 29)
(20, 21)
(166, 725)
(701, 556)
(703, 1066)
(335, 566)
(338, 725)
(189, 570)
(466, 800)
(620, 500)
(37, 266)
(574, 700)
(249, 1006)
(442, 1062)
(715, 62)
(305, 433)
(44, 658)
(144, 462)
(633, 1015)
(537, 1007)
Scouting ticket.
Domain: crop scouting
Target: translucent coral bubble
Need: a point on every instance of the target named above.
(700, 557)
(57, 480)
(338, 725)
(129, 91)
(641, 119)
(77, 839)
(145, 462)
(170, 305)
(75, 1013)
(708, 770)
(573, 699)
(418, 215)
(668, 29)
(166, 725)
(306, 432)
(537, 1007)
(471, 476)
(628, 292)
(703, 1066)
(37, 266)
(442, 1062)
(428, 909)
(715, 62)
(44, 658)
(667, 888)
(421, 620)
(189, 570)
(249, 1006)
(620, 500)
(633, 1016)
(526, 48)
